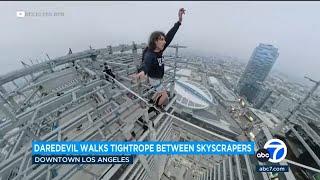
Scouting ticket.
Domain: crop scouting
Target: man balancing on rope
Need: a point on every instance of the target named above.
(152, 61)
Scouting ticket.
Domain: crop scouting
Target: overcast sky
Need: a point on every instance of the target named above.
(230, 28)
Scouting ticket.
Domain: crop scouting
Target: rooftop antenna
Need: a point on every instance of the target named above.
(109, 49)
(301, 103)
(70, 51)
(48, 57)
(25, 64)
(134, 47)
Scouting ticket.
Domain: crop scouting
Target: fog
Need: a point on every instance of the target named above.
(208, 28)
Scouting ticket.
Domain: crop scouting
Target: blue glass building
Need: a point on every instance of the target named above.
(257, 69)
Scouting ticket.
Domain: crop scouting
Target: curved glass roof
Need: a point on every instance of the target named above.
(192, 95)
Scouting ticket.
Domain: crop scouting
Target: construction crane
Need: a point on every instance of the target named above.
(177, 46)
(301, 103)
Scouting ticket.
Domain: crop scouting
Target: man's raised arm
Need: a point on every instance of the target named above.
(174, 29)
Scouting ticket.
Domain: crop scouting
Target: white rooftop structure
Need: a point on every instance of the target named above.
(192, 95)
(221, 89)
(184, 72)
(267, 118)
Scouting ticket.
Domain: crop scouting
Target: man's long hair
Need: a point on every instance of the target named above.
(152, 42)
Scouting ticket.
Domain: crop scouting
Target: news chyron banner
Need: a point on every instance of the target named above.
(111, 152)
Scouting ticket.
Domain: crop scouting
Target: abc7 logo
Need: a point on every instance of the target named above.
(262, 155)
(274, 151)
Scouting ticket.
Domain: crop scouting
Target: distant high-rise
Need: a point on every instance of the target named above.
(262, 97)
(258, 68)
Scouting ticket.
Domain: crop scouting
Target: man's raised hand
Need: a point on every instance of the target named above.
(181, 12)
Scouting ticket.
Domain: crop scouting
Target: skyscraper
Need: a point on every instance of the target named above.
(257, 69)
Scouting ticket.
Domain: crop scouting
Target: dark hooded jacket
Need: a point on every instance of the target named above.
(153, 64)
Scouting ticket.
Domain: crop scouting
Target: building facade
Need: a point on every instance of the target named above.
(256, 71)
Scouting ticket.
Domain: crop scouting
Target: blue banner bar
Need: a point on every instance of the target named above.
(148, 147)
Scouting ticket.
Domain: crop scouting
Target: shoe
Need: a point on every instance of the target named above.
(151, 109)
(151, 101)
(161, 108)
